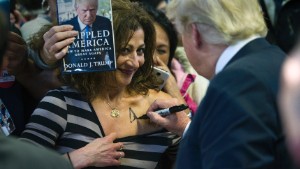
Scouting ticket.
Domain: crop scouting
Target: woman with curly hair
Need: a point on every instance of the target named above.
(94, 119)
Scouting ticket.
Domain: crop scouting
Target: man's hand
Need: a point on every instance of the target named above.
(175, 122)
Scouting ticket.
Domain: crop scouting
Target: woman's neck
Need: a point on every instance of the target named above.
(114, 95)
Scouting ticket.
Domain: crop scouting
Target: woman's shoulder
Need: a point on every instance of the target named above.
(64, 91)
(153, 94)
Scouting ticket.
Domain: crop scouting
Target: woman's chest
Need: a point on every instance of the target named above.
(124, 118)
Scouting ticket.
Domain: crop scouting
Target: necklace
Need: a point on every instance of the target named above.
(115, 113)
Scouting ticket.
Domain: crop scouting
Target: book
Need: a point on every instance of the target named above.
(93, 49)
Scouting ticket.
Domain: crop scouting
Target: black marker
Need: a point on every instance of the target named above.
(174, 109)
(167, 111)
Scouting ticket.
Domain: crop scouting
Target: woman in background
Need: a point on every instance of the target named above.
(190, 86)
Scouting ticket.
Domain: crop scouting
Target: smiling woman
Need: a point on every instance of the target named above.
(95, 115)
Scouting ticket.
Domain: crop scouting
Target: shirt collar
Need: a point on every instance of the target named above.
(230, 51)
(81, 25)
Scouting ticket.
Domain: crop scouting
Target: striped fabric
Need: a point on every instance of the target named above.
(64, 121)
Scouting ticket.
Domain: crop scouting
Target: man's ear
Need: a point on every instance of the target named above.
(196, 36)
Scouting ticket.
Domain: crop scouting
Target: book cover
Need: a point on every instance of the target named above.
(93, 49)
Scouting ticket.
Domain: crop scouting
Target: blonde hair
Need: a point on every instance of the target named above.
(219, 21)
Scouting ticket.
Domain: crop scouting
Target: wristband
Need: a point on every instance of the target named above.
(39, 62)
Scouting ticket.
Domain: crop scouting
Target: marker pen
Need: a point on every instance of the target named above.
(174, 109)
(167, 111)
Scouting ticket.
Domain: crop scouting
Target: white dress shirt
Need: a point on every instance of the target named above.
(230, 51)
(82, 25)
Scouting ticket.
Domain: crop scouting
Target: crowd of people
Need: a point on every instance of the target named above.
(240, 87)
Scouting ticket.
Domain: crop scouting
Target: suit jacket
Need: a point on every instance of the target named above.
(101, 23)
(237, 124)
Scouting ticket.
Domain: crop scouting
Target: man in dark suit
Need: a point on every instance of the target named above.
(94, 32)
(237, 124)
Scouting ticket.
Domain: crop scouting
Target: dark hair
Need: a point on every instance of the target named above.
(162, 20)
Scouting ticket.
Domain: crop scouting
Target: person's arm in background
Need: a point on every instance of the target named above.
(38, 81)
(16, 17)
(197, 89)
(185, 82)
(35, 80)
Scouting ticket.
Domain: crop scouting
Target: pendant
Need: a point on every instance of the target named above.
(115, 113)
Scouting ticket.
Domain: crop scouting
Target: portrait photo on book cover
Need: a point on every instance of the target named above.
(93, 49)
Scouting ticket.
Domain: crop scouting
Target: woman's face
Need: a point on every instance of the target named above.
(130, 58)
(162, 44)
